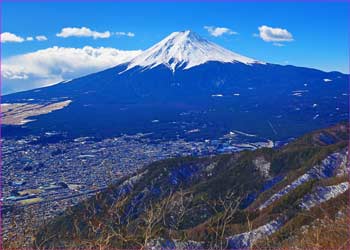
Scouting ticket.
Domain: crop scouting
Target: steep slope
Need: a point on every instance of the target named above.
(220, 201)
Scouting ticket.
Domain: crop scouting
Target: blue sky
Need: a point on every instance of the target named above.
(319, 30)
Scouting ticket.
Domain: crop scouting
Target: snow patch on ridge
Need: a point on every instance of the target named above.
(323, 194)
(324, 170)
(244, 240)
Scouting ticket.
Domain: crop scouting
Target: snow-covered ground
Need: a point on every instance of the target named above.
(323, 170)
(244, 240)
(323, 194)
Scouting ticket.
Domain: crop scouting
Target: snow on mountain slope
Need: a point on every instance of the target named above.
(246, 239)
(187, 49)
(324, 170)
(323, 194)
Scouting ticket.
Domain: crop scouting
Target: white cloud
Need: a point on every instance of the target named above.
(87, 32)
(10, 37)
(56, 64)
(13, 73)
(269, 34)
(7, 37)
(41, 38)
(219, 31)
(122, 33)
(83, 32)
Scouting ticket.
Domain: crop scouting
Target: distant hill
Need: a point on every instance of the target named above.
(263, 198)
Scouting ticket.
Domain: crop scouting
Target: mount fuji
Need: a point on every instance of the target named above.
(185, 49)
(185, 83)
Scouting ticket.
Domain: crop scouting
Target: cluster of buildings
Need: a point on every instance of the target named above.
(53, 175)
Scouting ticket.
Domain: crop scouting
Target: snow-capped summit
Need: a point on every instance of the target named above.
(185, 49)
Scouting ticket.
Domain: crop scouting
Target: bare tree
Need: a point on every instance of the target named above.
(225, 208)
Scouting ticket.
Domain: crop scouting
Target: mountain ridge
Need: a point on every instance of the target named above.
(189, 190)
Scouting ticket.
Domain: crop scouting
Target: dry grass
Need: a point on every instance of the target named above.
(326, 233)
